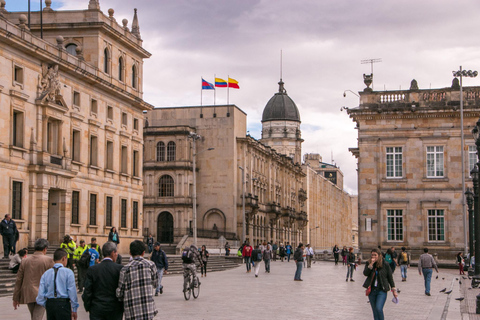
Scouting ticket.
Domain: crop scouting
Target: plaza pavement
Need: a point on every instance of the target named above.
(324, 294)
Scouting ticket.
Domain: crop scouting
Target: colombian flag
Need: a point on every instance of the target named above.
(207, 85)
(232, 83)
(220, 83)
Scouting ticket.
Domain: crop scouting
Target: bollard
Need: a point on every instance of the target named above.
(478, 304)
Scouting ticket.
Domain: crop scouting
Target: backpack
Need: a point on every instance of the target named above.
(404, 257)
(187, 256)
(256, 255)
(84, 260)
(388, 258)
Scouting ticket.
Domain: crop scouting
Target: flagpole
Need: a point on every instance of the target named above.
(228, 90)
(215, 88)
(201, 93)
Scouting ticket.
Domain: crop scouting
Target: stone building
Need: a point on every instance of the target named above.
(409, 166)
(72, 145)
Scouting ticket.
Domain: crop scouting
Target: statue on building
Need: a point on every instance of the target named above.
(48, 83)
(368, 79)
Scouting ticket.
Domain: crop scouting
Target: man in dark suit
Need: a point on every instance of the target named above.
(100, 284)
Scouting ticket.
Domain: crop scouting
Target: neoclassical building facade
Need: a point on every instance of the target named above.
(72, 117)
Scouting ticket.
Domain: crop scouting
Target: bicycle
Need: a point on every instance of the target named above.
(190, 287)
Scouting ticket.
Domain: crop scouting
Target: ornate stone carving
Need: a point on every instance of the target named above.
(414, 85)
(368, 79)
(48, 83)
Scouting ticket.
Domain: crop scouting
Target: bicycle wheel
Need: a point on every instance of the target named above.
(196, 289)
(187, 290)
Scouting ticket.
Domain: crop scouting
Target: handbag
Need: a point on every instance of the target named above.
(369, 289)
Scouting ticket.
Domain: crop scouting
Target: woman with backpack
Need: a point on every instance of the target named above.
(460, 262)
(389, 258)
(204, 256)
(281, 252)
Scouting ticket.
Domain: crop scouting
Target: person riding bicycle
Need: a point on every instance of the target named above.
(189, 256)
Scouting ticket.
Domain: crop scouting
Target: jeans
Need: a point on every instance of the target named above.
(248, 264)
(288, 257)
(427, 275)
(298, 272)
(267, 265)
(160, 276)
(377, 300)
(150, 248)
(403, 270)
(350, 269)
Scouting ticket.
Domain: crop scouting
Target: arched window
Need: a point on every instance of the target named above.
(171, 151)
(120, 69)
(165, 186)
(106, 57)
(160, 151)
(134, 76)
(71, 48)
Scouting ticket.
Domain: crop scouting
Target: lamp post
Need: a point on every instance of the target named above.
(310, 240)
(469, 196)
(463, 73)
(243, 205)
(475, 177)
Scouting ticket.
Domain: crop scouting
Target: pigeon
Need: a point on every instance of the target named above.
(448, 292)
(456, 278)
(436, 277)
(460, 282)
(443, 278)
(460, 299)
(443, 290)
(464, 277)
(398, 291)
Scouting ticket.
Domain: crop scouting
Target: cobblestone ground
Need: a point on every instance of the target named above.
(324, 294)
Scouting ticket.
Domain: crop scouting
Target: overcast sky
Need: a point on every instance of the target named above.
(323, 43)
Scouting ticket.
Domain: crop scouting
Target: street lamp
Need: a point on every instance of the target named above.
(310, 240)
(194, 136)
(472, 74)
(475, 177)
(345, 93)
(243, 204)
(469, 196)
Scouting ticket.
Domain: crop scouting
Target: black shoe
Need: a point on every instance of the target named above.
(256, 276)
(352, 280)
(161, 290)
(156, 294)
(346, 279)
(428, 294)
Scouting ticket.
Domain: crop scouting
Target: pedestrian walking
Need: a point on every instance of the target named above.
(57, 292)
(426, 263)
(256, 259)
(298, 258)
(282, 252)
(8, 230)
(159, 257)
(150, 242)
(336, 253)
(460, 262)
(94, 254)
(15, 260)
(204, 256)
(28, 279)
(344, 253)
(267, 257)
(309, 255)
(247, 255)
(113, 236)
(350, 264)
(378, 282)
(274, 250)
(227, 249)
(136, 285)
(389, 258)
(81, 268)
(99, 297)
(404, 263)
(288, 251)
(93, 245)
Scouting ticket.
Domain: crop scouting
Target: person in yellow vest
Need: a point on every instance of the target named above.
(69, 245)
(93, 244)
(82, 271)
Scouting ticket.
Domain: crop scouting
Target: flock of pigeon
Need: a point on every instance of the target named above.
(444, 290)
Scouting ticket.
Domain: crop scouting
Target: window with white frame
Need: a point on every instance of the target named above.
(394, 162)
(436, 225)
(472, 157)
(435, 161)
(395, 225)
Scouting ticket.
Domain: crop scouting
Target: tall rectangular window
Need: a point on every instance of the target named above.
(93, 209)
(93, 151)
(394, 162)
(53, 136)
(436, 225)
(472, 157)
(18, 74)
(94, 106)
(17, 200)
(75, 206)
(109, 156)
(76, 98)
(108, 212)
(17, 129)
(124, 160)
(435, 161)
(110, 113)
(135, 215)
(135, 124)
(123, 213)
(76, 145)
(395, 225)
(135, 164)
(124, 119)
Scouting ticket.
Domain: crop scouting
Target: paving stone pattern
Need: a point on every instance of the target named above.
(324, 294)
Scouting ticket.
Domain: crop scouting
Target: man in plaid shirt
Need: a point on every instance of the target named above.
(136, 285)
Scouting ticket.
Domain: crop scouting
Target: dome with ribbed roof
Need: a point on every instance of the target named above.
(281, 107)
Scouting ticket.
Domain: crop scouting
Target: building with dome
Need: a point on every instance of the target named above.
(285, 201)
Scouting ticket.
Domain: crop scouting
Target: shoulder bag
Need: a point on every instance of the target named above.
(369, 289)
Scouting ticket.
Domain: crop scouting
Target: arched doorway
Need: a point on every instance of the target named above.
(165, 227)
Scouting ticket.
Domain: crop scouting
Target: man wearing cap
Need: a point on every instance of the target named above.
(160, 259)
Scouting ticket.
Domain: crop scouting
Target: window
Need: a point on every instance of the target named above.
(171, 151)
(135, 215)
(94, 106)
(93, 209)
(135, 124)
(123, 216)
(53, 136)
(134, 76)
(160, 151)
(17, 200)
(165, 186)
(71, 48)
(135, 167)
(93, 150)
(124, 160)
(394, 162)
(436, 225)
(18, 75)
(435, 161)
(17, 129)
(110, 113)
(109, 156)
(395, 225)
(120, 69)
(76, 145)
(472, 157)
(75, 206)
(106, 58)
(76, 98)
(124, 119)
(108, 212)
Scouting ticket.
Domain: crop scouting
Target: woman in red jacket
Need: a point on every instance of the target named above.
(247, 255)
